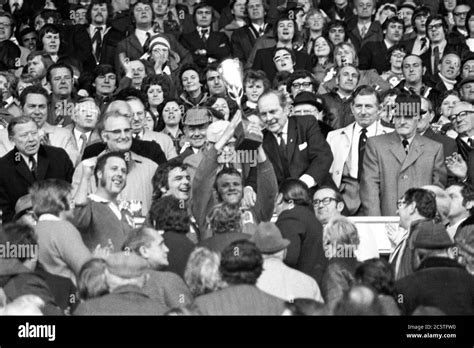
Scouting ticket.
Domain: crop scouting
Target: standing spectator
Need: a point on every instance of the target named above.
(237, 8)
(206, 45)
(399, 160)
(395, 74)
(315, 25)
(336, 32)
(171, 114)
(460, 212)
(240, 271)
(322, 54)
(405, 12)
(214, 82)
(255, 83)
(462, 118)
(61, 249)
(27, 163)
(363, 29)
(420, 43)
(98, 216)
(10, 103)
(244, 39)
(60, 78)
(157, 89)
(299, 225)
(38, 63)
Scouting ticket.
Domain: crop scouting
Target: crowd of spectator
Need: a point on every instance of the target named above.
(134, 181)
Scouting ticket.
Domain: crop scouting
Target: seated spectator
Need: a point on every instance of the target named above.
(9, 102)
(336, 32)
(438, 280)
(18, 275)
(38, 63)
(169, 214)
(394, 75)
(166, 287)
(157, 89)
(49, 41)
(125, 276)
(224, 106)
(378, 275)
(298, 224)
(214, 83)
(62, 98)
(328, 204)
(202, 272)
(255, 83)
(341, 241)
(61, 249)
(238, 10)
(241, 297)
(278, 279)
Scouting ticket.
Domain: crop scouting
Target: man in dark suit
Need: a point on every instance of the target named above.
(206, 46)
(243, 39)
(373, 55)
(362, 29)
(241, 271)
(462, 118)
(419, 44)
(27, 163)
(137, 43)
(294, 145)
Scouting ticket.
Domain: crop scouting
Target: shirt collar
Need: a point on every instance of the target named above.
(371, 130)
(49, 217)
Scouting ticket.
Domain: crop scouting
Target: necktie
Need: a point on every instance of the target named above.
(146, 45)
(423, 43)
(204, 34)
(282, 145)
(406, 145)
(362, 141)
(83, 138)
(261, 31)
(15, 7)
(97, 38)
(33, 165)
(435, 60)
(363, 31)
(311, 46)
(45, 139)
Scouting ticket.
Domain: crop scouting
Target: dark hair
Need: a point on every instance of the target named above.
(50, 196)
(435, 18)
(9, 55)
(393, 19)
(292, 54)
(131, 93)
(46, 29)
(257, 75)
(200, 5)
(58, 66)
(189, 66)
(225, 218)
(159, 80)
(170, 215)
(18, 120)
(103, 69)
(102, 161)
(137, 238)
(397, 47)
(295, 190)
(377, 274)
(241, 263)
(365, 90)
(335, 24)
(98, 2)
(233, 107)
(425, 201)
(160, 178)
(467, 193)
(314, 59)
(337, 195)
(280, 79)
(281, 18)
(21, 236)
(145, 2)
(33, 90)
(469, 15)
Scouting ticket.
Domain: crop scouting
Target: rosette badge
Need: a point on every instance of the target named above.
(231, 72)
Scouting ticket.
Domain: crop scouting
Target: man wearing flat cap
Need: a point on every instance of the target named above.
(439, 281)
(195, 124)
(278, 279)
(125, 276)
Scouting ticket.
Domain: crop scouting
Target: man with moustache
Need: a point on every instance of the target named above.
(28, 162)
(400, 160)
(98, 216)
(116, 132)
(38, 63)
(294, 145)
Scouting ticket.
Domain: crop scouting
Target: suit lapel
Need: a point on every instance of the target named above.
(416, 150)
(136, 43)
(23, 170)
(292, 137)
(43, 163)
(397, 149)
(271, 149)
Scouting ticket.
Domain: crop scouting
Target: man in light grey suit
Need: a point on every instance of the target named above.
(395, 162)
(348, 144)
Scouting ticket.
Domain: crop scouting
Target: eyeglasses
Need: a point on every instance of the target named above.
(460, 14)
(435, 26)
(117, 132)
(285, 56)
(301, 85)
(326, 201)
(460, 115)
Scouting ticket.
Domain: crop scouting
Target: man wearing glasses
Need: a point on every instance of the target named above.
(437, 31)
(460, 12)
(397, 161)
(116, 132)
(327, 203)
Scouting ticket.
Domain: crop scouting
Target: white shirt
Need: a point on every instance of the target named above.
(452, 229)
(141, 35)
(115, 209)
(92, 29)
(354, 154)
(284, 134)
(27, 159)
